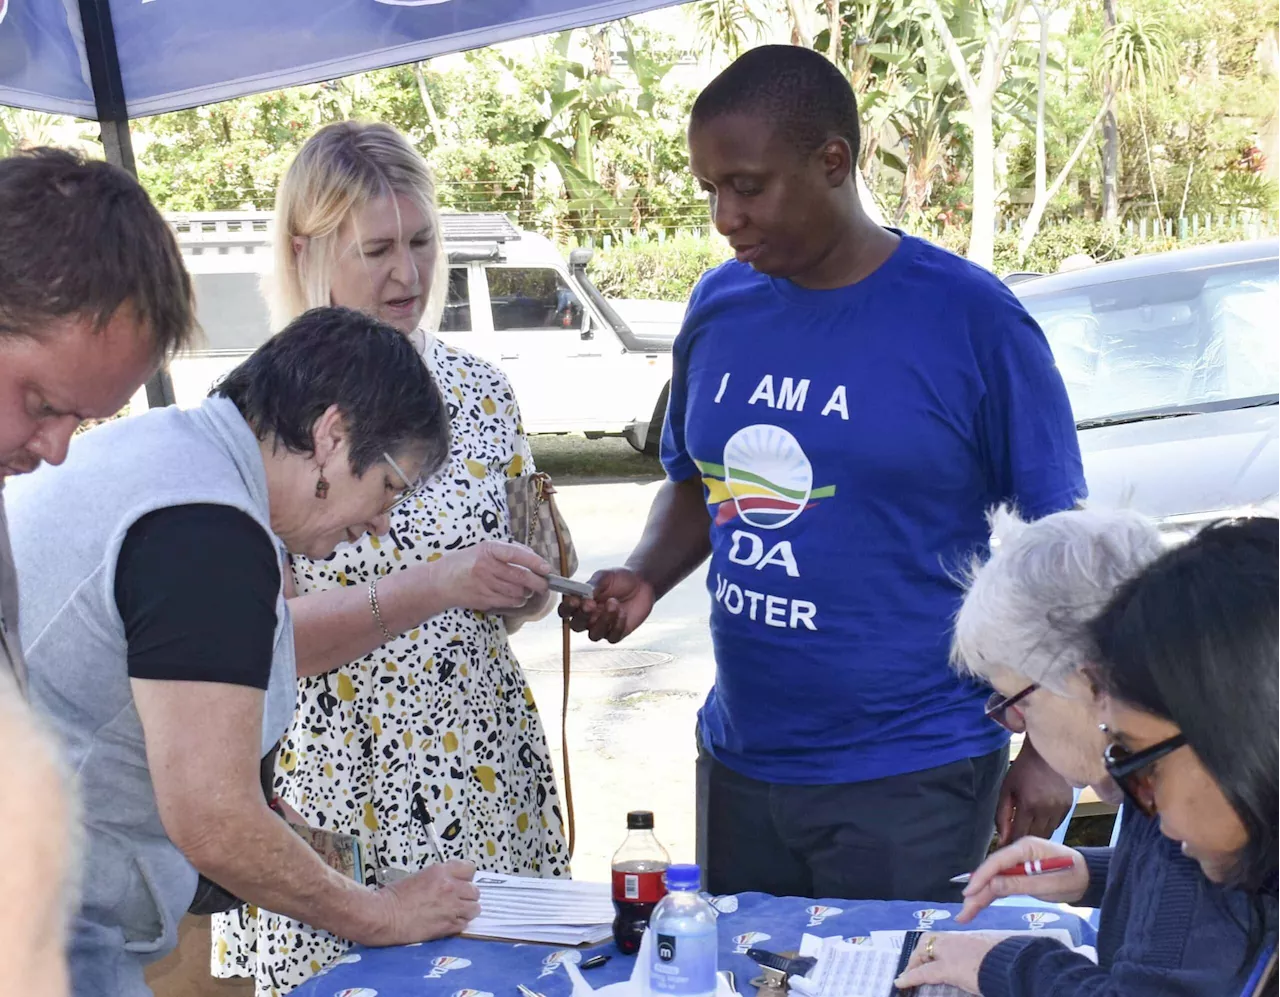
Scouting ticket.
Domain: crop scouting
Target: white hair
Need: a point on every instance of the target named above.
(1027, 606)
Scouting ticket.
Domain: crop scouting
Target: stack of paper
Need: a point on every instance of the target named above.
(555, 911)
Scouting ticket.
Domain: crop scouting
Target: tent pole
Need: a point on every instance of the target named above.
(113, 117)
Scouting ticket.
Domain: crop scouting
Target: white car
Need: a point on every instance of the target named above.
(576, 361)
(1172, 363)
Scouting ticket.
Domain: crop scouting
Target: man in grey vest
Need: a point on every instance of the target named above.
(93, 297)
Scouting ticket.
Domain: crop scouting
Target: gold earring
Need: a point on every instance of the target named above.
(322, 486)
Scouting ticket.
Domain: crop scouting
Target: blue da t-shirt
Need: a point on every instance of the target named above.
(851, 442)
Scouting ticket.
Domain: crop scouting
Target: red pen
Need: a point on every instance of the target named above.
(1032, 867)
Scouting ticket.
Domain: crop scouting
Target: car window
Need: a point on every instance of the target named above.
(1180, 338)
(231, 312)
(532, 298)
(457, 306)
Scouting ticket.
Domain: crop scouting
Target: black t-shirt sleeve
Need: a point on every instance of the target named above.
(196, 587)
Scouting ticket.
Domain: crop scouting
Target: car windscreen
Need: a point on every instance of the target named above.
(1167, 340)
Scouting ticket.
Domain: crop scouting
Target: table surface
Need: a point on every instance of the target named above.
(464, 967)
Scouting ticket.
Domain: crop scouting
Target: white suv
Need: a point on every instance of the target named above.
(575, 363)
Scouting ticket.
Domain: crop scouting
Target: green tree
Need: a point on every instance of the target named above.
(978, 39)
(1134, 60)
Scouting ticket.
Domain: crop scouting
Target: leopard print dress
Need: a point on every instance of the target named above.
(438, 724)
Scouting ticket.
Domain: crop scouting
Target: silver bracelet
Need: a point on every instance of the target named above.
(377, 613)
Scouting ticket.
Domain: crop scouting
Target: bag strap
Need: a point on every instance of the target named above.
(547, 491)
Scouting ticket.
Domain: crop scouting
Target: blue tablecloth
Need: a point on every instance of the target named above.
(462, 967)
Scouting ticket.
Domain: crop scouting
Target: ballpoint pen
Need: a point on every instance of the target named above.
(1033, 867)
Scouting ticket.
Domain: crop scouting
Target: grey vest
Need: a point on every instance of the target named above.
(67, 527)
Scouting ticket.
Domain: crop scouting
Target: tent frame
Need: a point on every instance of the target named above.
(113, 117)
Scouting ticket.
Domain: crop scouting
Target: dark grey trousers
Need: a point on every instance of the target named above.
(898, 838)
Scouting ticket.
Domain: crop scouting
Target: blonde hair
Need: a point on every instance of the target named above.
(340, 169)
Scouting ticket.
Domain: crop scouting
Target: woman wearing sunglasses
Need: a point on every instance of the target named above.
(1187, 663)
(1024, 628)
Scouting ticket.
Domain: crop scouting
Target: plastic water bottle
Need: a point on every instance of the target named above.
(683, 952)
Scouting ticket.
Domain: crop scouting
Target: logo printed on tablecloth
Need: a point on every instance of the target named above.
(446, 964)
(552, 962)
(925, 918)
(357, 992)
(749, 940)
(725, 905)
(472, 993)
(1039, 918)
(818, 913)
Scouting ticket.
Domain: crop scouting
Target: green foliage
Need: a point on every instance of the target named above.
(664, 271)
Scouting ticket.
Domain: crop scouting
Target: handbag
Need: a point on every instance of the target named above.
(536, 522)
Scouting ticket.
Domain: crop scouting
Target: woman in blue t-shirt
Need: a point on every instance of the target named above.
(1165, 928)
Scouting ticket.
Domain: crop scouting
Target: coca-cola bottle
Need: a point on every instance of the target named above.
(638, 867)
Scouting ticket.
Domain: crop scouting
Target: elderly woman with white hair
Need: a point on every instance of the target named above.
(1165, 929)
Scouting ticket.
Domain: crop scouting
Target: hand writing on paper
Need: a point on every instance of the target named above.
(623, 600)
(955, 958)
(986, 885)
(438, 902)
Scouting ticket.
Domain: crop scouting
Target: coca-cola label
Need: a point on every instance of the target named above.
(638, 887)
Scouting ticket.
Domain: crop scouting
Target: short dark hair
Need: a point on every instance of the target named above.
(796, 90)
(81, 237)
(1193, 639)
(337, 356)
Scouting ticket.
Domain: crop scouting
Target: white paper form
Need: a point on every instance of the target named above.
(867, 968)
(555, 911)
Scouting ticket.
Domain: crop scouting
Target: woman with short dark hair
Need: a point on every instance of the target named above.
(161, 646)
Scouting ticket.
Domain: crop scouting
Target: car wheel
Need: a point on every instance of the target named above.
(653, 438)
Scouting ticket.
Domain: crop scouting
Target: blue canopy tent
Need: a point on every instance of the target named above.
(112, 60)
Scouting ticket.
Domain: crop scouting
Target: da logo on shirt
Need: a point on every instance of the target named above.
(552, 962)
(725, 905)
(446, 964)
(1039, 918)
(818, 914)
(766, 479)
(926, 917)
(749, 940)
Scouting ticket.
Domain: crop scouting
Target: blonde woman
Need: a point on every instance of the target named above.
(412, 709)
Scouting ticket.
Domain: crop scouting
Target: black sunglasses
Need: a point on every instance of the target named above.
(1130, 770)
(998, 708)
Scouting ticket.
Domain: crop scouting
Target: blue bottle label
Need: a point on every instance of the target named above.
(683, 965)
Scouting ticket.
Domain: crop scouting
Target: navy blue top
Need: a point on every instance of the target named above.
(1165, 930)
(851, 442)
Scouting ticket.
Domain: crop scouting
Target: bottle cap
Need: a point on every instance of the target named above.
(640, 820)
(683, 877)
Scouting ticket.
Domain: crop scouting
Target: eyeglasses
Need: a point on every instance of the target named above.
(409, 490)
(998, 707)
(1131, 770)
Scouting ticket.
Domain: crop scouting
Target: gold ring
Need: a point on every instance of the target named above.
(928, 949)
